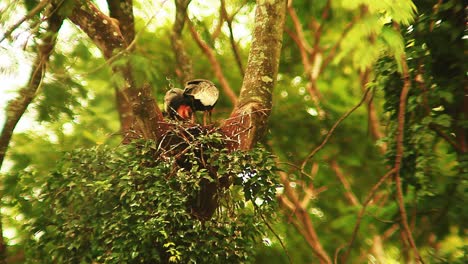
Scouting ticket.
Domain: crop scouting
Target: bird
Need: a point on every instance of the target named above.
(203, 95)
(177, 105)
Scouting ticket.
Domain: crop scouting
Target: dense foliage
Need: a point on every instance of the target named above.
(131, 204)
(109, 202)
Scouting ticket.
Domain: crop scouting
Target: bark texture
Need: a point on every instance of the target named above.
(139, 114)
(248, 122)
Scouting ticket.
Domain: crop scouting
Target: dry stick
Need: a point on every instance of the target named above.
(399, 156)
(361, 213)
(32, 13)
(214, 63)
(330, 133)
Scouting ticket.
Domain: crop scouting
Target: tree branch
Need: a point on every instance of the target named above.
(303, 217)
(145, 120)
(308, 60)
(330, 133)
(348, 27)
(214, 64)
(39, 7)
(361, 213)
(234, 47)
(446, 137)
(122, 10)
(399, 157)
(18, 106)
(373, 120)
(184, 64)
(348, 192)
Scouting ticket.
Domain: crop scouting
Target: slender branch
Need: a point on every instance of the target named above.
(303, 216)
(220, 22)
(184, 64)
(399, 156)
(307, 59)
(39, 7)
(18, 106)
(234, 46)
(344, 33)
(361, 212)
(209, 53)
(318, 32)
(348, 192)
(373, 120)
(330, 133)
(447, 138)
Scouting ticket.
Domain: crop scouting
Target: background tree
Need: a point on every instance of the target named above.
(367, 118)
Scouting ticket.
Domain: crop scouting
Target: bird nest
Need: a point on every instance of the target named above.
(196, 149)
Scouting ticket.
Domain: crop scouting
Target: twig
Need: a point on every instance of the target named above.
(274, 233)
(32, 13)
(329, 134)
(337, 252)
(361, 213)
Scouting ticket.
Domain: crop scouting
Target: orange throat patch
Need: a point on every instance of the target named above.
(184, 111)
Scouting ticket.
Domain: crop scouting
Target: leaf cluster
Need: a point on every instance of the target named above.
(133, 203)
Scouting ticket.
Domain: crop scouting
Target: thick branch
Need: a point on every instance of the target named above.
(103, 30)
(248, 121)
(183, 62)
(122, 10)
(145, 120)
(18, 106)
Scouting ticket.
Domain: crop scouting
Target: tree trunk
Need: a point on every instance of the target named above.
(248, 121)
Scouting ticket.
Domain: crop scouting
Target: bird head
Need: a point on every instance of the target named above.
(177, 105)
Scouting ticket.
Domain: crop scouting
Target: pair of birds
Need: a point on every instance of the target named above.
(198, 95)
